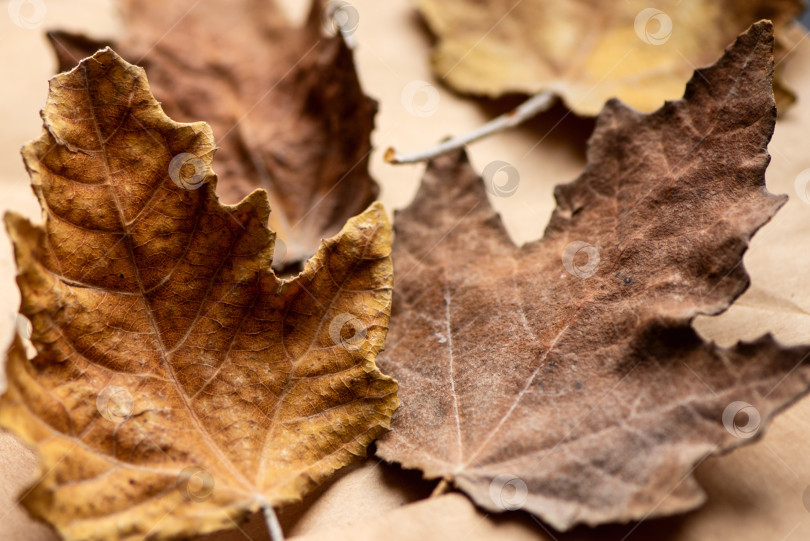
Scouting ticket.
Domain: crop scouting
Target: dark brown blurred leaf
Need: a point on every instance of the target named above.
(285, 104)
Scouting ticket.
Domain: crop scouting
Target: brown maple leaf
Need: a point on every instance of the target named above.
(284, 102)
(179, 383)
(564, 376)
(641, 51)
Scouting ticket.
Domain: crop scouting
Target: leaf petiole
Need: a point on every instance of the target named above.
(540, 102)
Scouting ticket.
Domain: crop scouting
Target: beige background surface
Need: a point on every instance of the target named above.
(755, 493)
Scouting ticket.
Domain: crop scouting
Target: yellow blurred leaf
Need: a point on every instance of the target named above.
(640, 51)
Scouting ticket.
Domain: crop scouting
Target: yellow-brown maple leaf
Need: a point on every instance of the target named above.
(179, 383)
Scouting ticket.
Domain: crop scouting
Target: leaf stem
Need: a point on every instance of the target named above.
(526, 110)
(348, 37)
(441, 488)
(273, 525)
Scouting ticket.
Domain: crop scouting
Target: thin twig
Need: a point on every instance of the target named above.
(348, 37)
(526, 110)
(441, 488)
(273, 525)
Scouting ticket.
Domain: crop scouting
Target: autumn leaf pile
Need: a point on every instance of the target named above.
(168, 349)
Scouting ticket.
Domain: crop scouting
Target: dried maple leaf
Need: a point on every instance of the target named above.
(564, 376)
(285, 104)
(179, 384)
(641, 51)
